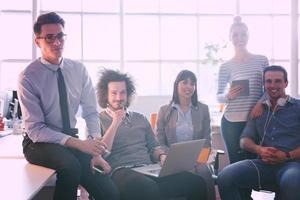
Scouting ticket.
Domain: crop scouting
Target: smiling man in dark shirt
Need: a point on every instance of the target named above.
(275, 138)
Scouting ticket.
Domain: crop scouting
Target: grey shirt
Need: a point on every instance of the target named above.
(134, 142)
(39, 98)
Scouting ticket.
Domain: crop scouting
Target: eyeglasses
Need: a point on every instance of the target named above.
(50, 38)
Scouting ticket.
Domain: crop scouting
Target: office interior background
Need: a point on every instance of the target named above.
(153, 39)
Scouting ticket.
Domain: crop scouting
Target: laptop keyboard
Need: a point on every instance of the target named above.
(154, 171)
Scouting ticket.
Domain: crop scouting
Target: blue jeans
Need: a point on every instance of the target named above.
(244, 174)
(231, 133)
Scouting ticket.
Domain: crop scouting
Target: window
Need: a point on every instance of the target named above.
(151, 40)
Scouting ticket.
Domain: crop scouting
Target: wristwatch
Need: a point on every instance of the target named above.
(288, 156)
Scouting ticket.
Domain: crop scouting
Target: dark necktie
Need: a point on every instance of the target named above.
(63, 100)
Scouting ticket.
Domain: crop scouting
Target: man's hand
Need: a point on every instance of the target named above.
(94, 147)
(234, 92)
(99, 161)
(279, 157)
(271, 155)
(117, 116)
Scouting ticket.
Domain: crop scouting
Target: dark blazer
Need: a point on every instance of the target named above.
(166, 124)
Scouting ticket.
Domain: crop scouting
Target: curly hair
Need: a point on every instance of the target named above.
(108, 75)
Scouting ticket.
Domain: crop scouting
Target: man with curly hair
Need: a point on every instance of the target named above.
(130, 139)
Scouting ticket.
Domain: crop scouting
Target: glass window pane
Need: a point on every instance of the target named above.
(215, 31)
(60, 5)
(101, 5)
(141, 37)
(73, 30)
(169, 71)
(178, 6)
(282, 37)
(10, 73)
(216, 7)
(207, 83)
(265, 6)
(101, 37)
(145, 76)
(260, 35)
(178, 37)
(283, 7)
(16, 40)
(251, 6)
(16, 5)
(95, 68)
(144, 6)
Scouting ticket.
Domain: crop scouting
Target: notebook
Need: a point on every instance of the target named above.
(181, 157)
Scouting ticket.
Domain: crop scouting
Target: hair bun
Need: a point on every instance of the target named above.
(237, 19)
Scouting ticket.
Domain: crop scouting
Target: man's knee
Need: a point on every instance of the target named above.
(290, 180)
(141, 188)
(226, 176)
(70, 171)
(147, 185)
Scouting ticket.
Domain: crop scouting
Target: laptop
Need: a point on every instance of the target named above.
(181, 157)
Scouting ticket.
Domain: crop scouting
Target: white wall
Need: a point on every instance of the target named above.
(148, 104)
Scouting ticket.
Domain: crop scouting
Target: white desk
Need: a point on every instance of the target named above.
(21, 180)
(6, 132)
(11, 146)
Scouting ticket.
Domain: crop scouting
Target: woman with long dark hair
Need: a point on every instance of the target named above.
(185, 118)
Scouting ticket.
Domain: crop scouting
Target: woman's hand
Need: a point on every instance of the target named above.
(234, 91)
(257, 110)
(162, 159)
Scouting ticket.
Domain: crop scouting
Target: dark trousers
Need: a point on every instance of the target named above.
(231, 133)
(136, 186)
(72, 167)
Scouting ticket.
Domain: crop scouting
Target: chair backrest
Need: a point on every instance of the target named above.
(203, 156)
(152, 119)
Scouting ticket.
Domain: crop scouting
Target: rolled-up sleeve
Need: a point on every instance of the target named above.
(250, 130)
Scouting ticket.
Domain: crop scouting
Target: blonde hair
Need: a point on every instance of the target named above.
(237, 22)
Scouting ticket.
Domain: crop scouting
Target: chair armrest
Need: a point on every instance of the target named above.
(217, 161)
(214, 161)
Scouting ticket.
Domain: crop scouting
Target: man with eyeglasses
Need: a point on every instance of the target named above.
(50, 90)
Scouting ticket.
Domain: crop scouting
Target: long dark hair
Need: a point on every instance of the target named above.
(184, 75)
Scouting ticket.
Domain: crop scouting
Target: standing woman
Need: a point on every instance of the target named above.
(243, 66)
(184, 119)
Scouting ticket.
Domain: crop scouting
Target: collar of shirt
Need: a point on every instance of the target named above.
(176, 106)
(49, 65)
